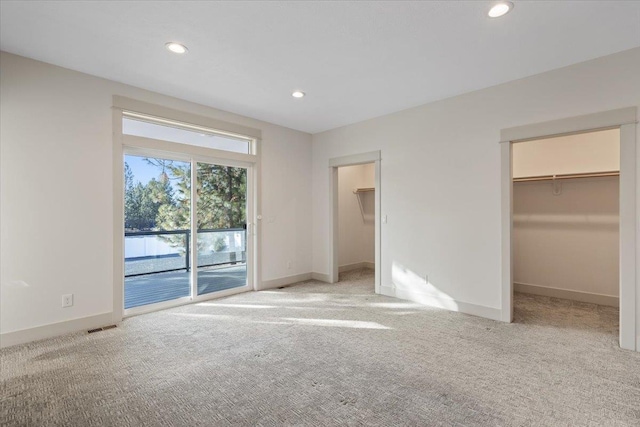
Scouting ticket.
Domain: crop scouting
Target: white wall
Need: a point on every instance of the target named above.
(582, 153)
(57, 192)
(356, 223)
(569, 241)
(441, 169)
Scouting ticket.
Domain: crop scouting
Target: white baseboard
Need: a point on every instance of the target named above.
(387, 291)
(55, 329)
(284, 281)
(443, 302)
(609, 300)
(356, 266)
(321, 277)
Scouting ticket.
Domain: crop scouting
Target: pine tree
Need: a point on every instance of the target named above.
(143, 202)
(165, 203)
(221, 196)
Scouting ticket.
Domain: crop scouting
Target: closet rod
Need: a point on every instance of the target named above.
(362, 190)
(566, 176)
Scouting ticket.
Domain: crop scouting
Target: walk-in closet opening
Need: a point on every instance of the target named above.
(354, 206)
(356, 221)
(566, 230)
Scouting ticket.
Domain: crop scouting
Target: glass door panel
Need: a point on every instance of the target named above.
(157, 230)
(221, 220)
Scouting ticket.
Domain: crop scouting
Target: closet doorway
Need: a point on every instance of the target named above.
(593, 229)
(566, 230)
(354, 238)
(356, 221)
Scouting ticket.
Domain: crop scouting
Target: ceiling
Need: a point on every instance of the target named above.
(355, 60)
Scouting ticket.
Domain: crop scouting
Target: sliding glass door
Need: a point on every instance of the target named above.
(222, 224)
(173, 254)
(157, 208)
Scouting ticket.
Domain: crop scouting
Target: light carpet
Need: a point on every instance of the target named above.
(317, 354)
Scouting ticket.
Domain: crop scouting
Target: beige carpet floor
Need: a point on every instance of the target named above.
(319, 354)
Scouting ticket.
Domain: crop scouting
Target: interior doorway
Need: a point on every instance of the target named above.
(566, 231)
(355, 215)
(623, 120)
(356, 220)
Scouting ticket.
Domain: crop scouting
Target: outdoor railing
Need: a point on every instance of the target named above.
(151, 252)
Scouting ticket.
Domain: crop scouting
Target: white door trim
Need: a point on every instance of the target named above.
(625, 119)
(334, 164)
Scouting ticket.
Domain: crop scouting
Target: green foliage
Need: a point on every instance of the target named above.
(221, 196)
(165, 203)
(142, 202)
(175, 214)
(128, 177)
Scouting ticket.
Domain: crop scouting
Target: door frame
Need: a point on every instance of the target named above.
(352, 160)
(135, 145)
(624, 119)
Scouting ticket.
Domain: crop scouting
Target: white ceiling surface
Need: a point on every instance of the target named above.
(355, 60)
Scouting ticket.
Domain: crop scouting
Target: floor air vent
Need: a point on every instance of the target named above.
(101, 329)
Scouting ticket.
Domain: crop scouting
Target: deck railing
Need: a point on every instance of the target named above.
(171, 250)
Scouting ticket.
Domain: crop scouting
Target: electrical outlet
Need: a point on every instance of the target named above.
(67, 300)
(289, 265)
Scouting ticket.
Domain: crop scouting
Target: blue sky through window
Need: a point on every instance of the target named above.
(143, 172)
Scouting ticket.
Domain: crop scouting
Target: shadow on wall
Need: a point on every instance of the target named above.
(410, 285)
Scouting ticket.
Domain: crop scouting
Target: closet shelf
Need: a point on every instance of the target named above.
(363, 190)
(567, 176)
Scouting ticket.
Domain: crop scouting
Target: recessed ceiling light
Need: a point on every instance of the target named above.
(176, 47)
(298, 94)
(500, 9)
